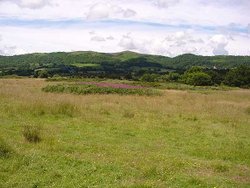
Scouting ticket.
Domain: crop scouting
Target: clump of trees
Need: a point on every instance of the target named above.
(199, 76)
(238, 77)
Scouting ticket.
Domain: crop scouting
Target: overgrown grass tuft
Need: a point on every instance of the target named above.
(5, 149)
(32, 133)
(129, 114)
(65, 109)
(221, 168)
(92, 89)
(248, 110)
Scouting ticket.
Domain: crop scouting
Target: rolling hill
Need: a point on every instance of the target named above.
(127, 62)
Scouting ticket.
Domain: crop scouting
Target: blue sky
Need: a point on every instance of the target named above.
(162, 27)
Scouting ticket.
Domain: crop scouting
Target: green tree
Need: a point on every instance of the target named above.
(239, 77)
(217, 78)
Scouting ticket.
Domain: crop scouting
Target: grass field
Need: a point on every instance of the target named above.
(86, 65)
(179, 139)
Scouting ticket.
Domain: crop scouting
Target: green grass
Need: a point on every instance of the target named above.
(179, 139)
(86, 65)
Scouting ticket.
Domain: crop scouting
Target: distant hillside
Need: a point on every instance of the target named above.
(127, 62)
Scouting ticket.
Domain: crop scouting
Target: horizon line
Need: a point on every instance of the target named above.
(125, 51)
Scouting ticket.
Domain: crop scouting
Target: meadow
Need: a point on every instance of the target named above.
(181, 138)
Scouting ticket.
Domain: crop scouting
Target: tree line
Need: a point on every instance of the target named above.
(199, 76)
(188, 68)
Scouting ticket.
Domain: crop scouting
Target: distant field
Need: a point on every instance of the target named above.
(85, 65)
(183, 138)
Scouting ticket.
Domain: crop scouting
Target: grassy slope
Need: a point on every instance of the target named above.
(181, 139)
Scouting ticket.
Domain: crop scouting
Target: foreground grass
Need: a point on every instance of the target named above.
(180, 139)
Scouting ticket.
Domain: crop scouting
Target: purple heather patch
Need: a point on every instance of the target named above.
(112, 85)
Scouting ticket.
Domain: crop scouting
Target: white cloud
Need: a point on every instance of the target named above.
(11, 50)
(196, 12)
(174, 44)
(184, 42)
(92, 32)
(31, 4)
(166, 3)
(110, 38)
(219, 43)
(106, 10)
(129, 13)
(98, 39)
(164, 27)
(128, 43)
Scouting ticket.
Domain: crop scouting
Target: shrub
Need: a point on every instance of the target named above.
(32, 133)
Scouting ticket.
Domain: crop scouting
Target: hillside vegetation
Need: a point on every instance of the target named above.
(124, 63)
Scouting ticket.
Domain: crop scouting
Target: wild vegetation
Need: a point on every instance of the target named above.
(91, 88)
(216, 70)
(183, 138)
(162, 122)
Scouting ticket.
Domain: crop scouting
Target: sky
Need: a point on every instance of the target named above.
(161, 27)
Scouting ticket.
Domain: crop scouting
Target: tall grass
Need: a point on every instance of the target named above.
(177, 139)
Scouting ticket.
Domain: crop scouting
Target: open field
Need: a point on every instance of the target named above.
(179, 139)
